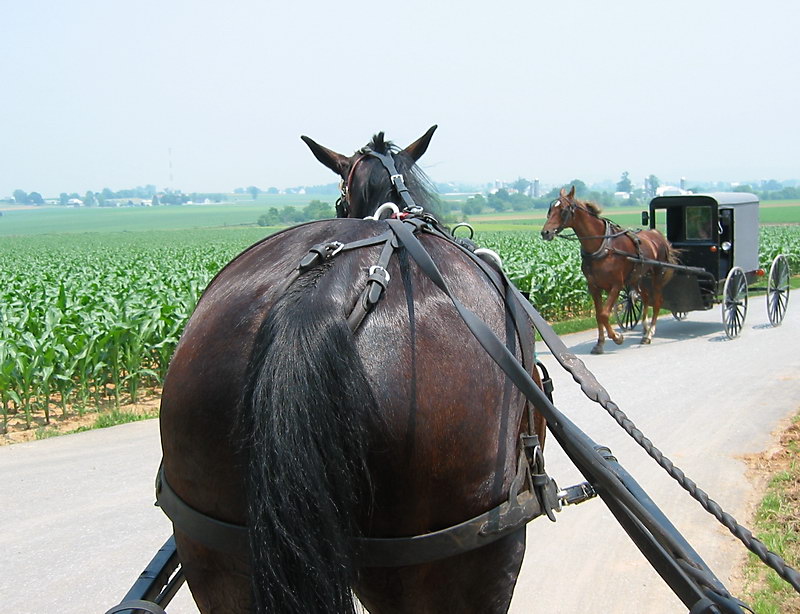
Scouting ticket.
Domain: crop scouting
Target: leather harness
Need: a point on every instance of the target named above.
(532, 492)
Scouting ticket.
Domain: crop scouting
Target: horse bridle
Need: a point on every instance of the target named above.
(398, 182)
(566, 216)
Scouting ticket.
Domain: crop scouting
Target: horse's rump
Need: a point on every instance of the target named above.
(436, 421)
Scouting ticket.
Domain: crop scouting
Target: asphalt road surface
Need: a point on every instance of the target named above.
(78, 524)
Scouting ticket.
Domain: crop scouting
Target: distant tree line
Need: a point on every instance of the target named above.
(514, 199)
(771, 190)
(109, 198)
(254, 191)
(315, 210)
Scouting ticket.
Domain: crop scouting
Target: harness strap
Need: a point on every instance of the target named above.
(211, 532)
(397, 179)
(376, 285)
(519, 509)
(603, 250)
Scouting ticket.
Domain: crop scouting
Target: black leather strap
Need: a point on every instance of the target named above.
(397, 179)
(211, 532)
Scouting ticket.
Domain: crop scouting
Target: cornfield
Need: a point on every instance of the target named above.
(92, 319)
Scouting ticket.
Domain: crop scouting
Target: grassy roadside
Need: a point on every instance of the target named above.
(101, 420)
(777, 524)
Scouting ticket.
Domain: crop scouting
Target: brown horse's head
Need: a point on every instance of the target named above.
(560, 214)
(365, 182)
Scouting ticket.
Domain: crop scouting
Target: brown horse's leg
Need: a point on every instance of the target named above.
(597, 298)
(647, 335)
(611, 300)
(659, 280)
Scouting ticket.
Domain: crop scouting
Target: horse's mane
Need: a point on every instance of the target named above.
(419, 185)
(592, 207)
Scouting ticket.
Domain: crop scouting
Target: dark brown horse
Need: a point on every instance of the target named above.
(606, 252)
(278, 416)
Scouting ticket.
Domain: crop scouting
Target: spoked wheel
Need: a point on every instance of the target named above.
(628, 308)
(679, 315)
(778, 290)
(734, 302)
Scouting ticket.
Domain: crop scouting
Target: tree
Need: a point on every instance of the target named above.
(521, 185)
(270, 218)
(89, 200)
(35, 198)
(63, 198)
(499, 200)
(21, 197)
(624, 184)
(253, 191)
(521, 202)
(318, 210)
(580, 189)
(155, 202)
(474, 205)
(651, 185)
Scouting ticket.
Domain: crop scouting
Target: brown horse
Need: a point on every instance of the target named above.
(277, 416)
(606, 253)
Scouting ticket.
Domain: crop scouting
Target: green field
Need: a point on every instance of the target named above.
(52, 220)
(93, 300)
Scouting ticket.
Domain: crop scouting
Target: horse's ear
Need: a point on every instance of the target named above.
(334, 161)
(562, 192)
(571, 193)
(418, 147)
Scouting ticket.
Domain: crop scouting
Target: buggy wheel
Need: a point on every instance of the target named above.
(679, 315)
(628, 308)
(778, 290)
(734, 302)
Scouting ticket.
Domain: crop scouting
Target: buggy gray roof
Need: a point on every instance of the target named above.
(724, 199)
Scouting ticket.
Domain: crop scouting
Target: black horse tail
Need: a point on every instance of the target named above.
(305, 410)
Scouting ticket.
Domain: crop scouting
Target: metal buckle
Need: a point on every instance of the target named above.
(376, 268)
(337, 247)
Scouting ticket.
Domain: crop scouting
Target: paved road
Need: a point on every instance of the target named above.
(79, 525)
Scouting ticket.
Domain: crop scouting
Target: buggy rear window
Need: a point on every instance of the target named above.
(698, 223)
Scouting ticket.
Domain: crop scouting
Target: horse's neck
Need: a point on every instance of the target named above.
(589, 229)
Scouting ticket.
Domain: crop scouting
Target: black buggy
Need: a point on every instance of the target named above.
(717, 235)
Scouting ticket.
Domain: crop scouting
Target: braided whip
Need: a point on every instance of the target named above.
(595, 392)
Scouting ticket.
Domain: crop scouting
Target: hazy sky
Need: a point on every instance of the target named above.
(96, 93)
